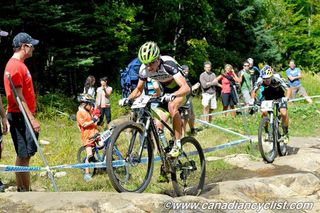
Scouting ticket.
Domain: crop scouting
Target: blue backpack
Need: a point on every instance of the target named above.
(129, 77)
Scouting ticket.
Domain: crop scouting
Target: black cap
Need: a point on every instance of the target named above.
(23, 38)
(3, 33)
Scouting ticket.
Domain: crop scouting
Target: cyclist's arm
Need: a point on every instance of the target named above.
(289, 91)
(138, 90)
(184, 87)
(156, 88)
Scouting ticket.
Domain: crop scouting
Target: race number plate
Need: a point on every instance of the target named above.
(140, 102)
(105, 135)
(266, 106)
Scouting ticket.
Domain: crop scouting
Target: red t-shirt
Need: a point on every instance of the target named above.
(21, 77)
(225, 85)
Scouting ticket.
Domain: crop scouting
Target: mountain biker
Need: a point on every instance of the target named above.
(168, 73)
(275, 88)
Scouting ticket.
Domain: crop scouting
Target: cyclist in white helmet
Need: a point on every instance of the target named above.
(168, 73)
(275, 87)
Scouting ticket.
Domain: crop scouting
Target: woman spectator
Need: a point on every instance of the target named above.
(228, 93)
(89, 86)
(103, 100)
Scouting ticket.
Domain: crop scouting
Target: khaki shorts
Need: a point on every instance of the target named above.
(246, 96)
(209, 99)
(300, 90)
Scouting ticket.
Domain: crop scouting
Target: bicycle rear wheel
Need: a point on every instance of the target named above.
(189, 169)
(281, 146)
(82, 157)
(127, 170)
(266, 140)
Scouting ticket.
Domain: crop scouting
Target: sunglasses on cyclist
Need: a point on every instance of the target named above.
(267, 80)
(151, 63)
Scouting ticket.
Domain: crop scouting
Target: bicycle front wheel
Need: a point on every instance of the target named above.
(82, 157)
(189, 169)
(129, 158)
(266, 140)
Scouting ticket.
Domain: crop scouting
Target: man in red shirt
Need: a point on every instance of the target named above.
(25, 146)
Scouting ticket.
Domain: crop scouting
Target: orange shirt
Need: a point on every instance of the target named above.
(88, 131)
(21, 77)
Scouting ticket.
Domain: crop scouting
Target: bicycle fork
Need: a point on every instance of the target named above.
(271, 132)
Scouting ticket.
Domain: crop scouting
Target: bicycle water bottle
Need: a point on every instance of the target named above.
(162, 138)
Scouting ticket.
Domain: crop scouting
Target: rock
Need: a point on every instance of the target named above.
(44, 142)
(289, 179)
(214, 158)
(246, 161)
(60, 174)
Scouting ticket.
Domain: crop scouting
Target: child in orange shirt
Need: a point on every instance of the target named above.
(87, 119)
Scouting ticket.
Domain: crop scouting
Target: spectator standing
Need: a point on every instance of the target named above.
(89, 86)
(209, 100)
(103, 100)
(294, 76)
(190, 117)
(254, 71)
(246, 83)
(228, 93)
(25, 146)
(4, 128)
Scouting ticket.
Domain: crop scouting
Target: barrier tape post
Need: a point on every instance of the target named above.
(28, 123)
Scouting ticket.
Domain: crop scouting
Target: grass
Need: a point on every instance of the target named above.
(64, 138)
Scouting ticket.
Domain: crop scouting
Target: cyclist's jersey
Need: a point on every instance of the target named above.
(275, 89)
(168, 70)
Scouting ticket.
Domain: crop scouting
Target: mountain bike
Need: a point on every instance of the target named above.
(101, 141)
(270, 133)
(136, 141)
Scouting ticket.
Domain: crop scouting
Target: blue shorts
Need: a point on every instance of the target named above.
(21, 136)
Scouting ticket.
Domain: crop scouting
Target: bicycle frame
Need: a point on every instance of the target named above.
(145, 116)
(272, 108)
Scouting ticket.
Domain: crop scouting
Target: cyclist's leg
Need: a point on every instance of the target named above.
(191, 118)
(285, 120)
(173, 107)
(177, 127)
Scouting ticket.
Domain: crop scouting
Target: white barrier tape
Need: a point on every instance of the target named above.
(304, 98)
(223, 129)
(222, 112)
(248, 107)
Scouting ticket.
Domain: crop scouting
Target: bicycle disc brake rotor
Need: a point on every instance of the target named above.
(186, 169)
